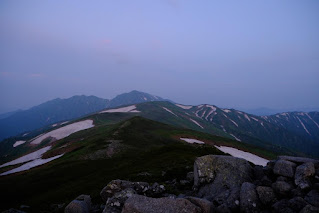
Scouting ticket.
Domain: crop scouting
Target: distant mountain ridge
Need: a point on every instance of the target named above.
(58, 110)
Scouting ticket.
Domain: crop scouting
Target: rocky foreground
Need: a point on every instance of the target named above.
(218, 184)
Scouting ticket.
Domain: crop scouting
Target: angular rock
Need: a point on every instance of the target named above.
(313, 198)
(229, 198)
(309, 209)
(115, 203)
(118, 185)
(266, 195)
(284, 168)
(142, 204)
(156, 190)
(282, 206)
(303, 174)
(298, 160)
(81, 204)
(205, 205)
(282, 188)
(248, 198)
(190, 176)
(297, 203)
(214, 174)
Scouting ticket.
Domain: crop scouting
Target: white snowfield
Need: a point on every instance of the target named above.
(17, 143)
(245, 155)
(29, 157)
(195, 122)
(64, 131)
(183, 106)
(31, 164)
(189, 140)
(122, 109)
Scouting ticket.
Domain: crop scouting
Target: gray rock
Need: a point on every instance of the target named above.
(282, 188)
(284, 168)
(298, 160)
(248, 198)
(303, 174)
(118, 185)
(214, 174)
(313, 198)
(115, 203)
(190, 176)
(81, 204)
(282, 206)
(297, 203)
(205, 205)
(266, 195)
(142, 204)
(156, 190)
(309, 209)
(229, 198)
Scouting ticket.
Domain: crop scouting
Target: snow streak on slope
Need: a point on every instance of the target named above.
(196, 123)
(169, 111)
(32, 156)
(245, 155)
(189, 140)
(17, 143)
(303, 125)
(312, 120)
(183, 106)
(122, 109)
(65, 131)
(237, 139)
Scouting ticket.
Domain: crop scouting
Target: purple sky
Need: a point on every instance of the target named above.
(241, 54)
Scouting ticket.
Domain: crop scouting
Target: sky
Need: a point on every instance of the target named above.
(230, 53)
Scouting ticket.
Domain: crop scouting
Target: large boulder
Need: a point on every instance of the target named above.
(142, 204)
(298, 160)
(313, 198)
(309, 209)
(205, 205)
(281, 187)
(266, 195)
(249, 201)
(81, 204)
(214, 174)
(303, 174)
(284, 168)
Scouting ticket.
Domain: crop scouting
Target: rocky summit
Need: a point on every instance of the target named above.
(219, 184)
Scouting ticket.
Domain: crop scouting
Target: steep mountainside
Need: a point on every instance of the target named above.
(58, 110)
(49, 113)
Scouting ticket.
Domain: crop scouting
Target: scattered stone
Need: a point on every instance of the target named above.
(81, 204)
(205, 205)
(297, 203)
(303, 174)
(309, 209)
(282, 188)
(115, 203)
(282, 206)
(248, 198)
(266, 195)
(142, 204)
(284, 168)
(313, 198)
(298, 160)
(214, 174)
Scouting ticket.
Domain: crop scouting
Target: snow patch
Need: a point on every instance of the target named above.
(312, 120)
(183, 106)
(199, 106)
(234, 122)
(122, 109)
(226, 110)
(17, 143)
(213, 110)
(64, 131)
(303, 126)
(65, 122)
(237, 139)
(25, 134)
(196, 123)
(29, 165)
(32, 156)
(255, 119)
(145, 99)
(245, 155)
(192, 141)
(247, 117)
(169, 111)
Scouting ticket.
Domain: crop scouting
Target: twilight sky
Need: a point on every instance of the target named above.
(241, 54)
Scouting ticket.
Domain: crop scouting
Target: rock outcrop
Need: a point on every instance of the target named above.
(222, 184)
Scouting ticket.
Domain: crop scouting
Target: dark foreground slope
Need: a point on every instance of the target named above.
(134, 149)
